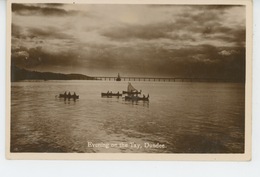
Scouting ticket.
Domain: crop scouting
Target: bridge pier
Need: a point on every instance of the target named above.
(177, 79)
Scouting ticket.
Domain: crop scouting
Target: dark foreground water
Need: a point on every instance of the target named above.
(181, 117)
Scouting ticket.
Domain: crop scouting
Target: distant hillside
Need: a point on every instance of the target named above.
(18, 74)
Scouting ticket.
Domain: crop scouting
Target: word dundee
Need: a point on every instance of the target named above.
(157, 145)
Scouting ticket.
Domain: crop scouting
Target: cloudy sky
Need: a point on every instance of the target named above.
(133, 40)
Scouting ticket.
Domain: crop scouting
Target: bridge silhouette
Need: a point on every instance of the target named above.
(163, 79)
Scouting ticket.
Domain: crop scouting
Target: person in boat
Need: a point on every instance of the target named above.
(148, 95)
(108, 92)
(69, 94)
(118, 92)
(65, 93)
(74, 96)
(143, 96)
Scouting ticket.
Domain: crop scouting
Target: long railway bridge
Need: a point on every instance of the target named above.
(162, 79)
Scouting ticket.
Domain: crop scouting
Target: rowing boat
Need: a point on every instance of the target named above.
(110, 94)
(67, 96)
(136, 98)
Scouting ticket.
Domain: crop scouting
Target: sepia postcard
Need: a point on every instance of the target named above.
(129, 80)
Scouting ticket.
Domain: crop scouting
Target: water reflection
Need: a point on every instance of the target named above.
(185, 117)
(140, 103)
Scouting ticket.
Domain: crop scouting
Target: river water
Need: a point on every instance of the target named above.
(181, 117)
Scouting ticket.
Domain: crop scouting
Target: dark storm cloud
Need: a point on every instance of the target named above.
(191, 61)
(205, 23)
(217, 7)
(43, 33)
(35, 57)
(236, 36)
(202, 22)
(212, 7)
(16, 32)
(170, 31)
(201, 17)
(208, 22)
(50, 33)
(54, 5)
(240, 37)
(32, 9)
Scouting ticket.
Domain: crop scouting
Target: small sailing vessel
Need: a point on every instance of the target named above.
(132, 94)
(131, 90)
(118, 78)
